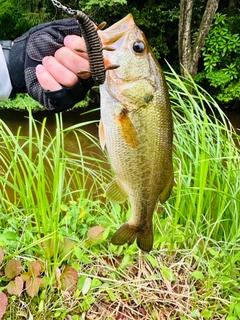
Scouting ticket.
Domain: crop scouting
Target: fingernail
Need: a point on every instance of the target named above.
(68, 40)
(39, 68)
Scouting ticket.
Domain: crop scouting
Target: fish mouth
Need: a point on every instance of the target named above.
(117, 30)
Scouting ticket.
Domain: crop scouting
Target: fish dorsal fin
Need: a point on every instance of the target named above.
(101, 134)
(127, 129)
(115, 193)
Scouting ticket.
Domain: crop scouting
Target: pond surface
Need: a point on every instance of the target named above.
(14, 119)
(234, 117)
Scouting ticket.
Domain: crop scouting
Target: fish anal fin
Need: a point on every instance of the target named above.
(115, 193)
(127, 129)
(101, 135)
(128, 233)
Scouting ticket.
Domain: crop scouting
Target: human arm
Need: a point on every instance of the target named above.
(5, 81)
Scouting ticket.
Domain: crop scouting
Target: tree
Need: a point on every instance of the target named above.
(221, 61)
(189, 54)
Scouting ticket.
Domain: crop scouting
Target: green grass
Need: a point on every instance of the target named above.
(23, 102)
(51, 198)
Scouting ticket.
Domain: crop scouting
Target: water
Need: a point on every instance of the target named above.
(15, 119)
(234, 117)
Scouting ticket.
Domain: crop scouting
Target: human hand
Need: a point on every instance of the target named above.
(61, 69)
(54, 83)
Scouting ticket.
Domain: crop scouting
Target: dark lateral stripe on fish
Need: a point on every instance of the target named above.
(94, 47)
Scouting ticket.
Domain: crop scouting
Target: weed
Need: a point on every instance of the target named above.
(55, 223)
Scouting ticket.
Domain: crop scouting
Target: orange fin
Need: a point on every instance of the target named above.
(127, 129)
(127, 234)
(101, 135)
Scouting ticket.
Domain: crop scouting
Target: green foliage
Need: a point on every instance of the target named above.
(23, 101)
(17, 17)
(205, 150)
(38, 174)
(102, 3)
(20, 102)
(156, 20)
(51, 198)
(159, 21)
(221, 57)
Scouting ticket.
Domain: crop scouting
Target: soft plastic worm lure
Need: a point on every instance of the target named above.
(94, 48)
(93, 44)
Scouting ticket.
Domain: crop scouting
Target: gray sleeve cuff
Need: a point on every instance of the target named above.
(5, 81)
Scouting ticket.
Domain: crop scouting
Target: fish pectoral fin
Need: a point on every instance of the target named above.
(127, 234)
(101, 134)
(115, 193)
(127, 129)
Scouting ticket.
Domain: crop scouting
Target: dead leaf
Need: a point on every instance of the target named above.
(34, 269)
(58, 275)
(3, 304)
(32, 286)
(69, 279)
(12, 269)
(95, 232)
(15, 287)
(1, 255)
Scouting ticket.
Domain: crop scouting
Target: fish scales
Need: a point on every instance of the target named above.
(137, 129)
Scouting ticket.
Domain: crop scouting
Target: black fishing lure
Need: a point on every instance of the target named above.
(94, 48)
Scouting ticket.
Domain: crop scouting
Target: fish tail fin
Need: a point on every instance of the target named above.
(128, 233)
(145, 240)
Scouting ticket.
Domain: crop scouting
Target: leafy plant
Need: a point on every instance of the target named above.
(38, 175)
(221, 57)
(54, 213)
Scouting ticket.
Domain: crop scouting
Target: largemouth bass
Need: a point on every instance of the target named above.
(136, 127)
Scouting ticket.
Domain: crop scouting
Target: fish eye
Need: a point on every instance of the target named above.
(138, 46)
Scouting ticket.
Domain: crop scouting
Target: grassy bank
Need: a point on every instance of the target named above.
(23, 102)
(55, 224)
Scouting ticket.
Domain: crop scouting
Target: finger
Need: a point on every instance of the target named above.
(59, 72)
(72, 61)
(46, 80)
(74, 42)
